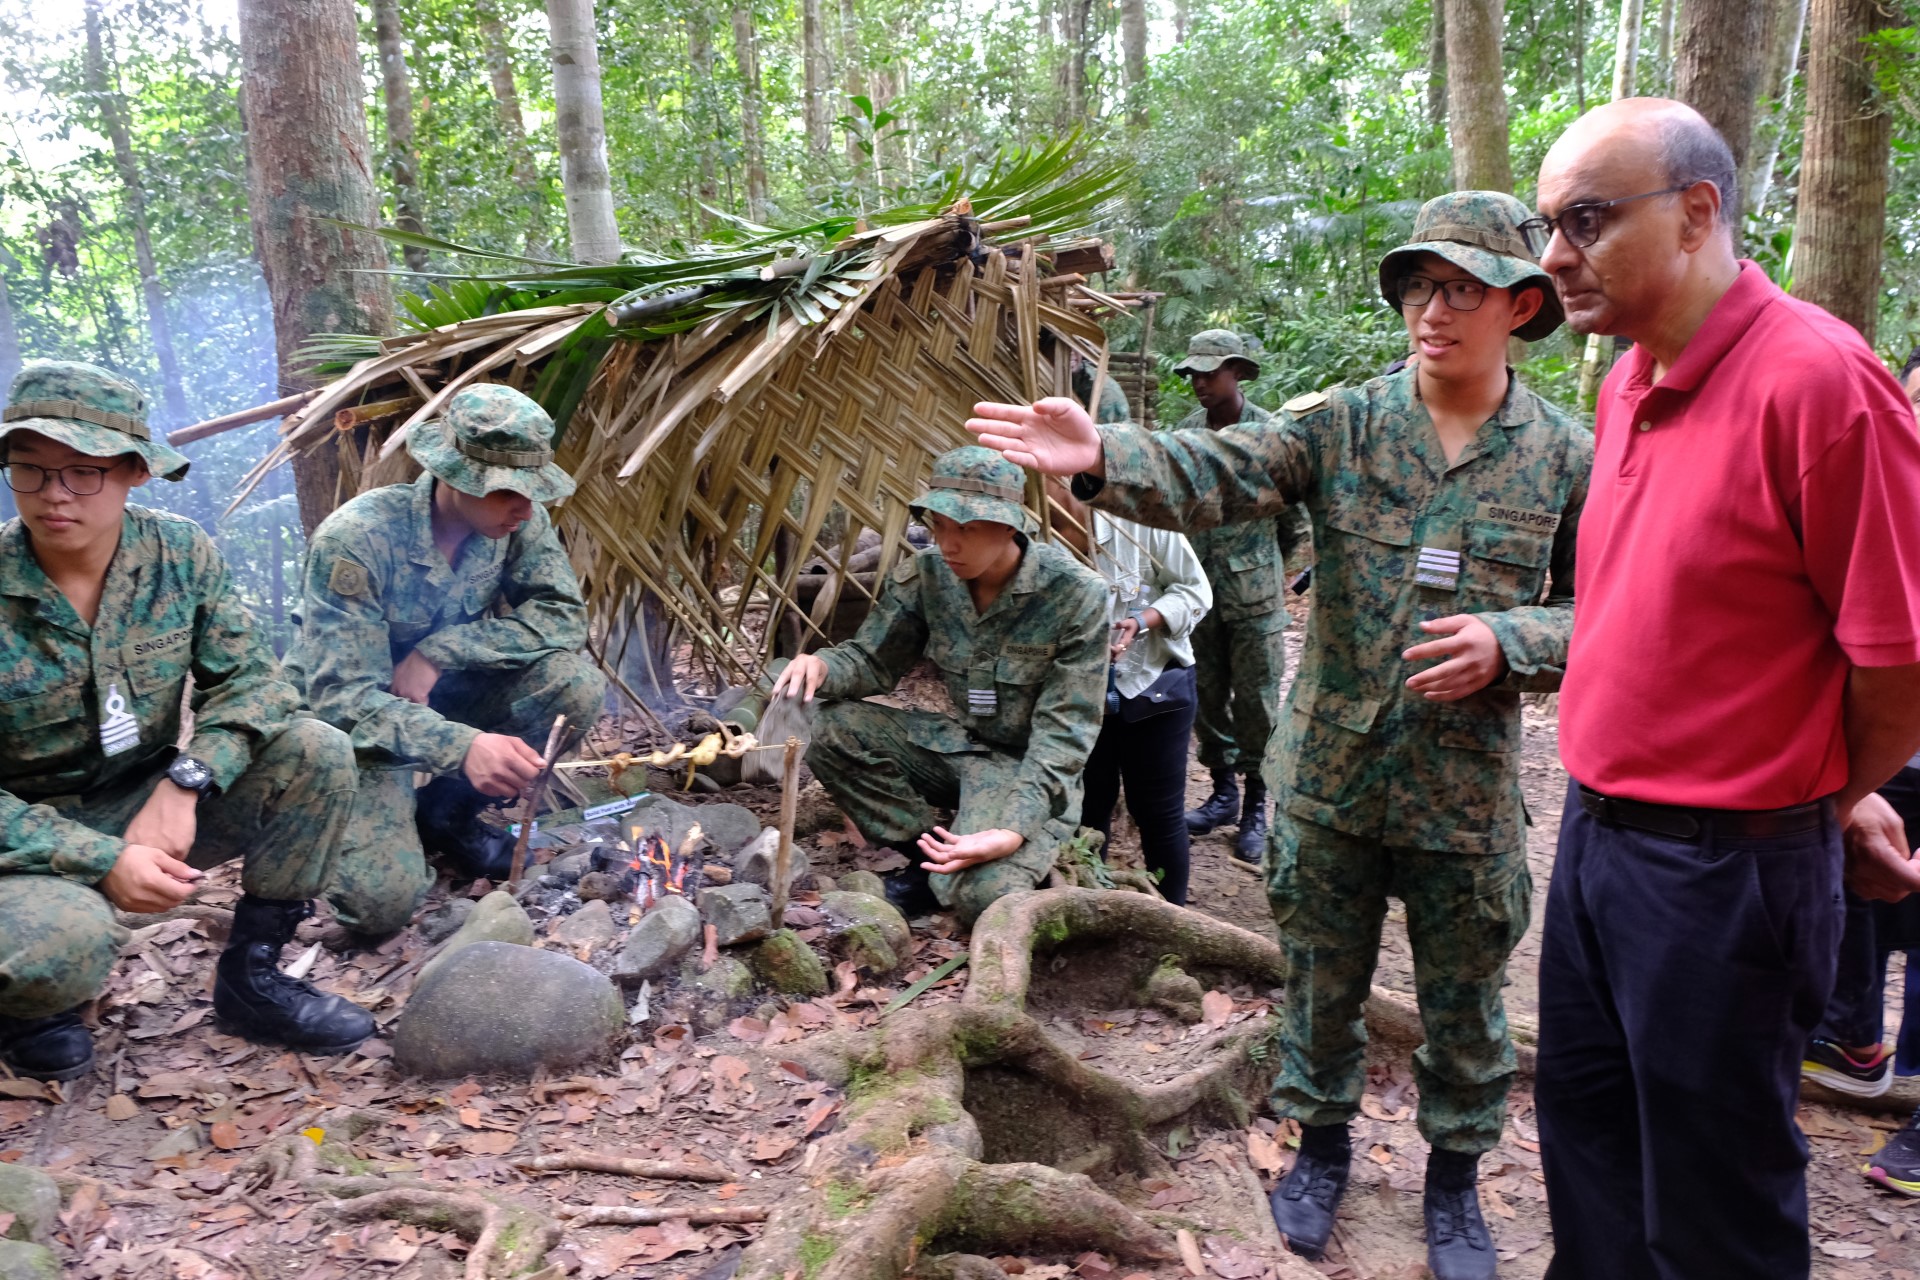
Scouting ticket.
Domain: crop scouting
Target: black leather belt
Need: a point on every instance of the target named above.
(1679, 822)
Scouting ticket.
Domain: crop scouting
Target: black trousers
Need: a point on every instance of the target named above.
(1678, 983)
(1150, 757)
(1874, 931)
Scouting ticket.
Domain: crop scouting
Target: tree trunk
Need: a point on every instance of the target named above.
(1721, 50)
(853, 83)
(1626, 56)
(506, 109)
(1437, 70)
(1133, 42)
(1075, 21)
(699, 103)
(1181, 16)
(309, 162)
(585, 180)
(397, 94)
(9, 340)
(1667, 8)
(1476, 96)
(1786, 25)
(818, 75)
(113, 116)
(1841, 230)
(746, 57)
(1580, 56)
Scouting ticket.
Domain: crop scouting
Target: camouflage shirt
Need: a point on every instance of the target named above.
(1401, 536)
(85, 710)
(1112, 405)
(1028, 676)
(1243, 561)
(377, 589)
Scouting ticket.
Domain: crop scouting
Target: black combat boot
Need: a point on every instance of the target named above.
(1305, 1203)
(1251, 843)
(910, 889)
(1218, 809)
(1459, 1246)
(254, 999)
(446, 812)
(55, 1048)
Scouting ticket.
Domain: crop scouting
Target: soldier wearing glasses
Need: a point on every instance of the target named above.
(106, 612)
(1444, 501)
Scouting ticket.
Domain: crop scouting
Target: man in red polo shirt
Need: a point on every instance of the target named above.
(1744, 673)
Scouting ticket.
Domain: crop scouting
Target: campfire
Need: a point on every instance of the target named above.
(649, 869)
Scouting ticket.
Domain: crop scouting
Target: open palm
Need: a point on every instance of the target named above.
(1054, 436)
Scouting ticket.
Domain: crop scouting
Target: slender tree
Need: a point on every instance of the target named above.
(9, 339)
(580, 123)
(110, 105)
(699, 109)
(1786, 24)
(1133, 44)
(817, 75)
(1840, 233)
(1626, 59)
(1477, 96)
(310, 186)
(396, 90)
(746, 58)
(1722, 47)
(513, 128)
(853, 83)
(1437, 70)
(1667, 9)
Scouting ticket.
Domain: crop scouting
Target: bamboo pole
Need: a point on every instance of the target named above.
(244, 418)
(531, 797)
(783, 856)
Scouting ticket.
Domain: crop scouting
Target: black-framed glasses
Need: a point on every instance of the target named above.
(1581, 224)
(81, 481)
(1462, 295)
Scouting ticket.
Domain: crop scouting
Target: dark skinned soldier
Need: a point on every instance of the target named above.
(107, 611)
(1445, 500)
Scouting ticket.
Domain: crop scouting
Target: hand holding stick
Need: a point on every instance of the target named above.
(530, 797)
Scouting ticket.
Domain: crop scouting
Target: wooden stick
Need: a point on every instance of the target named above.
(632, 1167)
(244, 418)
(361, 414)
(531, 797)
(621, 1216)
(783, 855)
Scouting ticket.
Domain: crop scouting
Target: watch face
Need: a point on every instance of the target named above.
(189, 773)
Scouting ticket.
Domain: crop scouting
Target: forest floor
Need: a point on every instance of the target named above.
(154, 1145)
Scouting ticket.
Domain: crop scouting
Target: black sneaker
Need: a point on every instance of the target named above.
(1830, 1065)
(55, 1048)
(1896, 1166)
(1304, 1204)
(1459, 1246)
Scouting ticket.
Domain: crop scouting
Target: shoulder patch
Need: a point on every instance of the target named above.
(347, 579)
(1306, 403)
(907, 570)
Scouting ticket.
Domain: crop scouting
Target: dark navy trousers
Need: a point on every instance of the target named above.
(1679, 981)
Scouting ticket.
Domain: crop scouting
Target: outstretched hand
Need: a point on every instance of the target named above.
(1472, 659)
(1054, 436)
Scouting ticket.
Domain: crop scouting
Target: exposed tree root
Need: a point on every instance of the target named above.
(593, 1162)
(622, 1216)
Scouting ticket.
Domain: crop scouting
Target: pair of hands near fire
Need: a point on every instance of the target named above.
(497, 764)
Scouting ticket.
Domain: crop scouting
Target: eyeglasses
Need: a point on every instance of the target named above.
(1581, 224)
(81, 482)
(1462, 295)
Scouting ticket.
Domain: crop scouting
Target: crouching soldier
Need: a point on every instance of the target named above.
(439, 626)
(106, 611)
(1018, 630)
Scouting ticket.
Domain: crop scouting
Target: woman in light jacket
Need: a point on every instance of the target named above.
(1156, 592)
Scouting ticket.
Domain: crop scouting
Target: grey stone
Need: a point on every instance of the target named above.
(495, 918)
(590, 926)
(600, 886)
(738, 913)
(569, 867)
(727, 979)
(22, 1261)
(786, 964)
(656, 944)
(189, 1137)
(729, 827)
(1177, 991)
(34, 1201)
(445, 920)
(825, 883)
(499, 1008)
(870, 930)
(755, 863)
(862, 882)
(664, 817)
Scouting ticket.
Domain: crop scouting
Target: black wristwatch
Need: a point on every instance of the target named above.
(190, 774)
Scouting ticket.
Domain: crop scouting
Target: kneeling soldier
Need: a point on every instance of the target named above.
(440, 626)
(106, 610)
(1019, 632)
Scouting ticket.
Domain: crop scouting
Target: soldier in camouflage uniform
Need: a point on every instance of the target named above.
(1445, 500)
(439, 627)
(1018, 630)
(106, 611)
(1112, 405)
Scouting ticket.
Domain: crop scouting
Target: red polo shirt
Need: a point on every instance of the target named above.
(1752, 533)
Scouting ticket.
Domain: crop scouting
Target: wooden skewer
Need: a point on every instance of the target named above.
(783, 855)
(529, 798)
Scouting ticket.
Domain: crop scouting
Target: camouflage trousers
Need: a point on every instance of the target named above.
(872, 761)
(1238, 667)
(383, 875)
(284, 816)
(1465, 915)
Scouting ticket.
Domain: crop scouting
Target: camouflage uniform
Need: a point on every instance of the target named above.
(1027, 680)
(1381, 791)
(1112, 405)
(503, 625)
(91, 716)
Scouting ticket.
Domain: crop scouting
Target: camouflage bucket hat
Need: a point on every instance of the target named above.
(87, 408)
(1211, 348)
(1478, 231)
(490, 438)
(976, 483)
